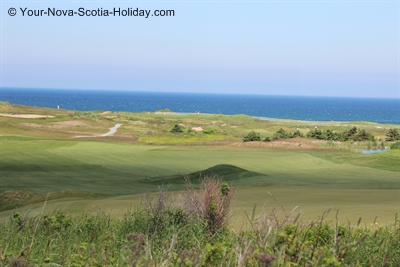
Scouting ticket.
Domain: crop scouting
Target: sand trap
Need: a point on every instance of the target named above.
(112, 131)
(197, 129)
(26, 116)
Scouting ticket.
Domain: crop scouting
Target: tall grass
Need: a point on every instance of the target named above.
(193, 230)
(87, 114)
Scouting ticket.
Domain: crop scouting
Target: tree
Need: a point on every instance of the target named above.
(392, 135)
(252, 136)
(280, 134)
(348, 135)
(363, 135)
(317, 134)
(297, 133)
(177, 129)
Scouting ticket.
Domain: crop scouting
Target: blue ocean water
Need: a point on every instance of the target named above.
(294, 107)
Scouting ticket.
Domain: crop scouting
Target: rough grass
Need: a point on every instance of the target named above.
(193, 232)
(186, 139)
(102, 167)
(352, 204)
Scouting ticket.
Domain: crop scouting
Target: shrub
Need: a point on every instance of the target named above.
(280, 134)
(392, 135)
(267, 139)
(191, 131)
(252, 136)
(177, 129)
(296, 133)
(210, 131)
(352, 134)
(363, 135)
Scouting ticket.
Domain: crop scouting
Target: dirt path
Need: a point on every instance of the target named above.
(112, 131)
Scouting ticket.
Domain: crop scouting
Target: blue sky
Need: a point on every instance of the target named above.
(311, 48)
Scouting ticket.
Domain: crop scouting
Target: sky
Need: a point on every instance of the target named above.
(309, 48)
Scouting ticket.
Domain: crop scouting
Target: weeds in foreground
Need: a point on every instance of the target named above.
(192, 230)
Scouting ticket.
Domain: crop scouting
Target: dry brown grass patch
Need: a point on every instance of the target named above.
(290, 144)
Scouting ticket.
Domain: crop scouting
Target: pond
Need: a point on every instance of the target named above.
(370, 151)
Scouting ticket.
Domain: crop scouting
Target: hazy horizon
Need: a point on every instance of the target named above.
(189, 92)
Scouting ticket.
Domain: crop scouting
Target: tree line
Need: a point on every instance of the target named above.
(353, 134)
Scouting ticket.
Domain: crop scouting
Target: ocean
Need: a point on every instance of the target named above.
(378, 110)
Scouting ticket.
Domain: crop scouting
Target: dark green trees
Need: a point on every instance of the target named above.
(282, 134)
(353, 134)
(392, 135)
(177, 129)
(252, 136)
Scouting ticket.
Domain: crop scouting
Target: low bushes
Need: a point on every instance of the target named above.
(353, 134)
(252, 136)
(192, 230)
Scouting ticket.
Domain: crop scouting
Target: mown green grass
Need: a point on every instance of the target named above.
(115, 169)
(44, 165)
(385, 161)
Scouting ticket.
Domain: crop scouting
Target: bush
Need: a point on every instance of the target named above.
(363, 135)
(191, 131)
(210, 131)
(267, 139)
(392, 135)
(352, 134)
(252, 136)
(177, 129)
(296, 133)
(280, 134)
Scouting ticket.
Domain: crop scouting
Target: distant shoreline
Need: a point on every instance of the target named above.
(37, 116)
(302, 108)
(271, 119)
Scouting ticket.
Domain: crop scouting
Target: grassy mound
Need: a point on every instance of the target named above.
(226, 171)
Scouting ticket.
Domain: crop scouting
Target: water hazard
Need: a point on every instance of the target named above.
(371, 151)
